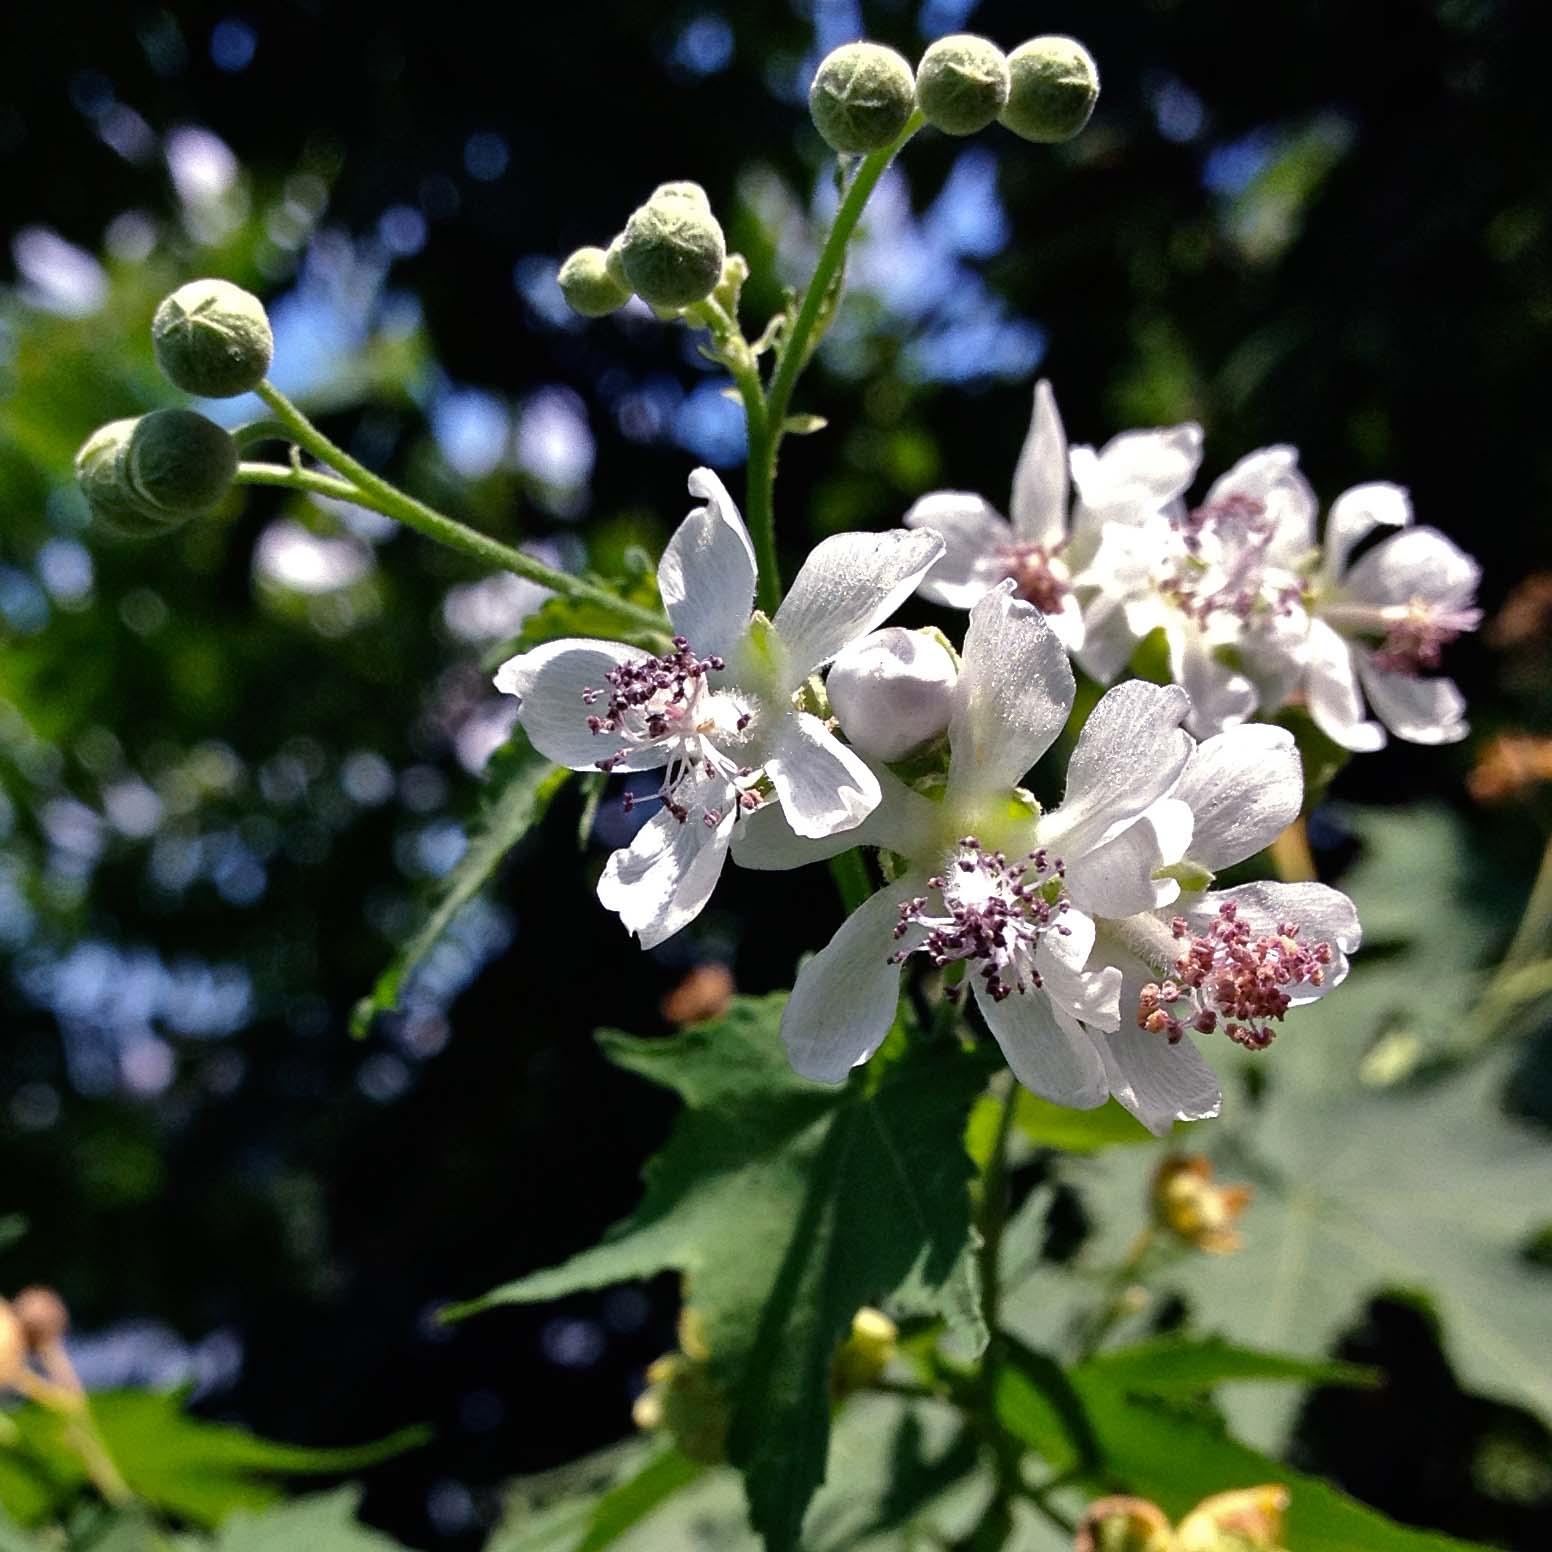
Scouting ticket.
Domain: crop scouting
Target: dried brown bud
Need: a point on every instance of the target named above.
(43, 1315)
(1190, 1206)
(1510, 764)
(13, 1346)
(703, 994)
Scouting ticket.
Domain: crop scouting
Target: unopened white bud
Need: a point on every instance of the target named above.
(893, 691)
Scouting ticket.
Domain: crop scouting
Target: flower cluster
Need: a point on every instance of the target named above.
(1254, 614)
(1090, 935)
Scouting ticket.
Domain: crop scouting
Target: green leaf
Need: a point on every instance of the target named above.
(1133, 1437)
(1365, 1182)
(558, 616)
(199, 1471)
(13, 1227)
(1039, 1122)
(627, 1505)
(325, 1522)
(521, 785)
(1170, 1366)
(787, 1206)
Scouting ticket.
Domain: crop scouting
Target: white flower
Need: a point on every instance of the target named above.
(1231, 961)
(717, 713)
(1381, 621)
(1094, 944)
(1222, 581)
(987, 877)
(893, 691)
(1135, 474)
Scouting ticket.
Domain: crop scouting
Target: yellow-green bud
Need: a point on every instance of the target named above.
(962, 84)
(861, 98)
(672, 251)
(1124, 1524)
(1054, 86)
(213, 339)
(614, 262)
(99, 470)
(588, 286)
(178, 463)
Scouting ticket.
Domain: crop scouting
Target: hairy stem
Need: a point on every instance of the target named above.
(361, 486)
(767, 429)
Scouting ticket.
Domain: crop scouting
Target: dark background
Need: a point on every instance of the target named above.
(1316, 223)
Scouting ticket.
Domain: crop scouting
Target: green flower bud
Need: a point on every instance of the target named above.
(862, 97)
(588, 286)
(1055, 84)
(213, 339)
(962, 84)
(99, 470)
(672, 250)
(178, 463)
(684, 189)
(614, 262)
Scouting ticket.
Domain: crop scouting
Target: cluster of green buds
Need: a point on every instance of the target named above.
(147, 475)
(683, 1400)
(671, 254)
(864, 94)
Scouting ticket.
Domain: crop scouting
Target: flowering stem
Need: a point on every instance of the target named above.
(850, 873)
(360, 486)
(768, 426)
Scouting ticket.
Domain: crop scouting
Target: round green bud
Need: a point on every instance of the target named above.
(962, 84)
(1055, 84)
(614, 262)
(212, 339)
(588, 286)
(672, 251)
(684, 189)
(99, 470)
(178, 463)
(861, 98)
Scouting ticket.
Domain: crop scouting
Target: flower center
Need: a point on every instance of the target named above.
(1038, 577)
(1221, 564)
(996, 913)
(665, 700)
(1416, 637)
(1227, 972)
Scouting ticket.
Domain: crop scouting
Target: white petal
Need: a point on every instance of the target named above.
(1091, 996)
(974, 539)
(845, 997)
(707, 573)
(1108, 639)
(850, 583)
(1415, 563)
(663, 880)
(1322, 914)
(1221, 696)
(1049, 1054)
(1014, 693)
(764, 840)
(1067, 622)
(1130, 753)
(1158, 1082)
(1137, 472)
(1420, 710)
(1116, 879)
(1039, 504)
(1271, 477)
(1355, 514)
(1331, 691)
(550, 681)
(823, 786)
(1245, 787)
